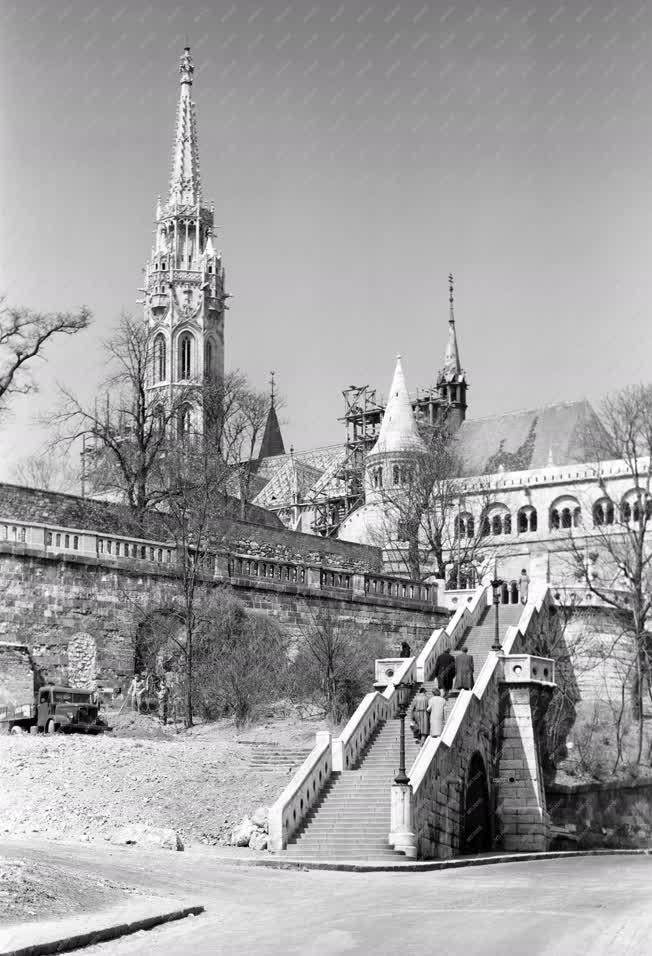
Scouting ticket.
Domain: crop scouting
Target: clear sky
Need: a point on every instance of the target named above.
(356, 152)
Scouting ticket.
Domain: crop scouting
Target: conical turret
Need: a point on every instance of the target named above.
(398, 429)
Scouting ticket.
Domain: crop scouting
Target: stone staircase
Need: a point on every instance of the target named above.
(479, 638)
(272, 757)
(352, 819)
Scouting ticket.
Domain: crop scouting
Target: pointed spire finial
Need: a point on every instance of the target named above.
(452, 366)
(186, 66)
(451, 296)
(272, 387)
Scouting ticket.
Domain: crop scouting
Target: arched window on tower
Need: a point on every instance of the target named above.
(184, 422)
(160, 358)
(185, 356)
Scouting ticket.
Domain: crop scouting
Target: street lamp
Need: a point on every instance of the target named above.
(497, 585)
(403, 691)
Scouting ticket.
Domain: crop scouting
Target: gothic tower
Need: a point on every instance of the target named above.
(184, 279)
(451, 381)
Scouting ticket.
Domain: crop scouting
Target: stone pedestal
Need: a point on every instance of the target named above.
(402, 836)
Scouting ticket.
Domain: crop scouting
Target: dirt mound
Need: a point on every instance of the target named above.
(199, 782)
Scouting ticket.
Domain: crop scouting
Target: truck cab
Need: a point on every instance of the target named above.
(67, 709)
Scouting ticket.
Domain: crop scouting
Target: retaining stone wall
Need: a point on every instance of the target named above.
(615, 814)
(51, 602)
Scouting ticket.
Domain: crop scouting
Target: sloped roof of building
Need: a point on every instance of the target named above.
(553, 435)
(293, 478)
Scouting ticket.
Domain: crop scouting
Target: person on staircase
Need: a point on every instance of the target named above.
(420, 716)
(523, 585)
(406, 650)
(464, 670)
(445, 671)
(436, 707)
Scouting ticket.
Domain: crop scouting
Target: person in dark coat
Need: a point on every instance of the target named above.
(464, 670)
(406, 650)
(445, 671)
(420, 715)
(523, 585)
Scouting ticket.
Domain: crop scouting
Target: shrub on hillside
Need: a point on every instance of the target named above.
(334, 664)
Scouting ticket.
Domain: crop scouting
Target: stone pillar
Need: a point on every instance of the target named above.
(402, 836)
(358, 584)
(313, 578)
(523, 822)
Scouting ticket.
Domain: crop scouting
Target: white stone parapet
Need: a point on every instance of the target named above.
(303, 790)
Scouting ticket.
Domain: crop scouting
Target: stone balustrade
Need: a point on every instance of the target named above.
(111, 549)
(303, 790)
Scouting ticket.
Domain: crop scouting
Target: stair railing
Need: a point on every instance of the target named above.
(372, 710)
(448, 638)
(434, 760)
(301, 793)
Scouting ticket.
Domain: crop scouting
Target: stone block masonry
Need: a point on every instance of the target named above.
(16, 675)
(79, 613)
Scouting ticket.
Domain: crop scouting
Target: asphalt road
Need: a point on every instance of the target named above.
(587, 905)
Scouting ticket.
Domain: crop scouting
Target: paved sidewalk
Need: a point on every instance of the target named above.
(63, 935)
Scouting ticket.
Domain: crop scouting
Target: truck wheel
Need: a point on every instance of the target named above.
(51, 728)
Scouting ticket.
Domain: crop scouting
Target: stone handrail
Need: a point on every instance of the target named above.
(433, 755)
(303, 790)
(371, 711)
(448, 638)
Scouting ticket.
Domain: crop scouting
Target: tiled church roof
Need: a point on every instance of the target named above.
(555, 434)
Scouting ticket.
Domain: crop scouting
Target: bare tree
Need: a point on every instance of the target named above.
(334, 661)
(615, 560)
(126, 437)
(244, 413)
(426, 526)
(23, 337)
(51, 472)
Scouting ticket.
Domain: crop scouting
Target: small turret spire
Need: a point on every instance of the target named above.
(185, 183)
(398, 429)
(271, 388)
(452, 365)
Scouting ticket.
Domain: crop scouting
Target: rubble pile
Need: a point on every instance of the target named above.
(197, 784)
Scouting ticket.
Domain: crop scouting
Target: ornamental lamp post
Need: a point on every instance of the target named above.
(497, 585)
(403, 691)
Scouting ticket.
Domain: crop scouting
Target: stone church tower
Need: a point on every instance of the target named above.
(184, 279)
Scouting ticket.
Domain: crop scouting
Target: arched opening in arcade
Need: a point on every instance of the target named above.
(476, 830)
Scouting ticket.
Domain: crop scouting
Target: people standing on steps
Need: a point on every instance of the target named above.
(436, 707)
(420, 716)
(445, 671)
(523, 585)
(464, 670)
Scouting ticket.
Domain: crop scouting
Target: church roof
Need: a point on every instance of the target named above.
(521, 440)
(272, 443)
(398, 429)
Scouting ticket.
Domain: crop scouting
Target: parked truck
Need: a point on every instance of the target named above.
(50, 708)
(56, 709)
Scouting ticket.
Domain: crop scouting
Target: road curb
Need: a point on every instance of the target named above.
(353, 866)
(67, 943)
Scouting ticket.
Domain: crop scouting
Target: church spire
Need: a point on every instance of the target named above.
(185, 182)
(451, 381)
(272, 443)
(452, 365)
